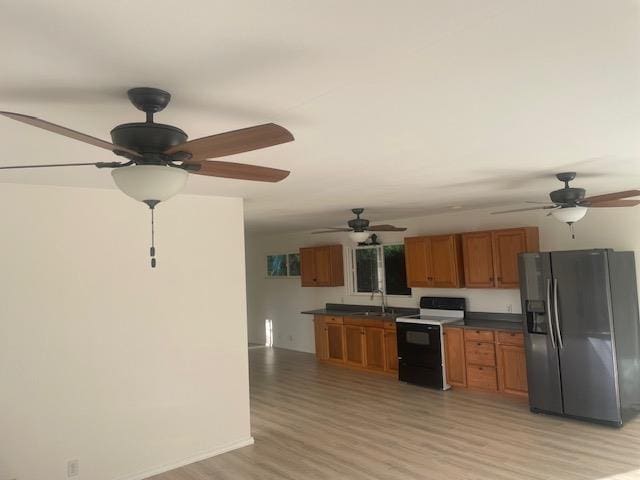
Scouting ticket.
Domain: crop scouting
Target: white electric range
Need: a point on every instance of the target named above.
(421, 341)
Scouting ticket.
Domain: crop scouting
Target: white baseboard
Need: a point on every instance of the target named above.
(186, 461)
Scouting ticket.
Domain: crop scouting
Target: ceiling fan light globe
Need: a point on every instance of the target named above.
(359, 237)
(150, 182)
(569, 214)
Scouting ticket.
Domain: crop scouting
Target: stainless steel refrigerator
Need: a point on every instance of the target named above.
(582, 333)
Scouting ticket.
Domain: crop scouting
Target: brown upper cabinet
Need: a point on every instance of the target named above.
(434, 261)
(491, 257)
(322, 266)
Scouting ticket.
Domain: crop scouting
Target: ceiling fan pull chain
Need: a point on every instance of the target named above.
(152, 250)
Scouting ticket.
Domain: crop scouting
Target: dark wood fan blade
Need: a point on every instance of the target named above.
(236, 141)
(67, 132)
(385, 228)
(612, 196)
(49, 165)
(334, 230)
(240, 171)
(525, 209)
(615, 203)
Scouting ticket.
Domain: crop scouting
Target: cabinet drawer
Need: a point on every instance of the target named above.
(482, 377)
(479, 353)
(510, 338)
(332, 319)
(478, 335)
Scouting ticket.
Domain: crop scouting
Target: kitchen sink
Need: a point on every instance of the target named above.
(371, 314)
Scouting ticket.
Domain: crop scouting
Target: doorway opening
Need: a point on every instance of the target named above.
(268, 333)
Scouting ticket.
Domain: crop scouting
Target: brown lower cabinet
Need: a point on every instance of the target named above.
(357, 342)
(486, 359)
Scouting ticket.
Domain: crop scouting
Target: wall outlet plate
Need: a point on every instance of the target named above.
(73, 468)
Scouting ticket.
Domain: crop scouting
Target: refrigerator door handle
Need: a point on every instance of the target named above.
(549, 321)
(555, 311)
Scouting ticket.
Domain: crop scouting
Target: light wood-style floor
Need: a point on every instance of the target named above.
(313, 421)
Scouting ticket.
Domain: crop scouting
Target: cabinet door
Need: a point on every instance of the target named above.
(322, 260)
(507, 244)
(337, 266)
(307, 267)
(477, 251)
(354, 344)
(320, 330)
(390, 351)
(512, 369)
(374, 353)
(454, 357)
(417, 259)
(444, 261)
(335, 342)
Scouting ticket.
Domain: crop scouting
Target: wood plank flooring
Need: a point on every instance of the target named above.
(313, 421)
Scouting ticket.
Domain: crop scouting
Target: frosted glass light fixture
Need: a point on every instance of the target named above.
(150, 184)
(359, 237)
(569, 214)
(147, 183)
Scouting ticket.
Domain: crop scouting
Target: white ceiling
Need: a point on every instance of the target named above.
(404, 107)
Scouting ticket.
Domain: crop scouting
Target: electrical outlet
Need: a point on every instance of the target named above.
(291, 338)
(509, 308)
(73, 468)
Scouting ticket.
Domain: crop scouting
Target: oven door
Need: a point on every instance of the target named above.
(419, 354)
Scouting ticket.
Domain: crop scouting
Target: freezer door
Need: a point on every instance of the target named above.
(543, 371)
(587, 365)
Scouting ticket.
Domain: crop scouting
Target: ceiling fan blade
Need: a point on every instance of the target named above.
(48, 165)
(67, 132)
(525, 209)
(385, 228)
(240, 171)
(614, 203)
(236, 141)
(334, 230)
(612, 196)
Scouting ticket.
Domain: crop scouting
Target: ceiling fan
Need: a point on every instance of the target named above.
(157, 158)
(359, 228)
(569, 204)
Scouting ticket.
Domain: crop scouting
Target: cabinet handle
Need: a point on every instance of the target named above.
(479, 344)
(480, 368)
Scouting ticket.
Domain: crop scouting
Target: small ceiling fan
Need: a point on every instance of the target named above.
(569, 204)
(359, 228)
(157, 158)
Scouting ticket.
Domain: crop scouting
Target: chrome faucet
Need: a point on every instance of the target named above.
(383, 305)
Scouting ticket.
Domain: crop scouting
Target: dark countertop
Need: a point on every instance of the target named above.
(477, 320)
(351, 313)
(473, 323)
(346, 310)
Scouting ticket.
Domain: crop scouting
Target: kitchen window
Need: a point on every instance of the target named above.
(379, 267)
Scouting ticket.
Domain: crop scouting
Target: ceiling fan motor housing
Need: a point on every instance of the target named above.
(567, 195)
(147, 137)
(358, 224)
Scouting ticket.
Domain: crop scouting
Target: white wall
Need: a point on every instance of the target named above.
(102, 359)
(282, 299)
